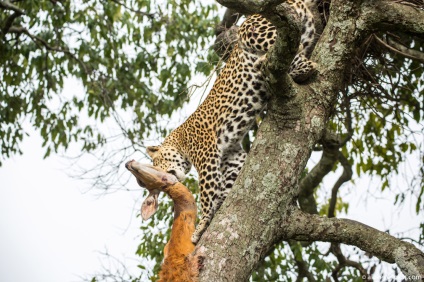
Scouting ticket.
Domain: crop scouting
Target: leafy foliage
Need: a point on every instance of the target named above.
(134, 55)
(385, 112)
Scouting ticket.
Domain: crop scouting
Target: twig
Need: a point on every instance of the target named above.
(348, 121)
(400, 49)
(151, 16)
(36, 39)
(302, 266)
(418, 4)
(9, 21)
(343, 261)
(9, 6)
(346, 176)
(308, 184)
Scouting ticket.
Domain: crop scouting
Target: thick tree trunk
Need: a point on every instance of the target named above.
(261, 209)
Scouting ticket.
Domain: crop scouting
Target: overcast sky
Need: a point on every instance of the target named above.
(50, 230)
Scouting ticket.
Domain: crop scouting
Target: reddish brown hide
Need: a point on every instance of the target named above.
(179, 264)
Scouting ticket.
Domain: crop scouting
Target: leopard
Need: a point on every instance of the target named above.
(210, 138)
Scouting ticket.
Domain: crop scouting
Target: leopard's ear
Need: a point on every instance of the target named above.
(152, 151)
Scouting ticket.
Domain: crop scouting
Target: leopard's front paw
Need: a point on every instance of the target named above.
(200, 229)
(259, 62)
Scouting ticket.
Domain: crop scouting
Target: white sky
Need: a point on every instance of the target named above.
(50, 230)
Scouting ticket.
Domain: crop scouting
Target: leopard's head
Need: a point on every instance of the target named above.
(170, 160)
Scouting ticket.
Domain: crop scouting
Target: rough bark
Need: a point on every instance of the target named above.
(308, 227)
(261, 208)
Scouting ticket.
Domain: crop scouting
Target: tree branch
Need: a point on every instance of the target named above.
(343, 261)
(386, 14)
(279, 58)
(9, 6)
(248, 7)
(9, 20)
(346, 176)
(239, 237)
(400, 49)
(8, 23)
(302, 266)
(233, 244)
(229, 19)
(418, 4)
(225, 41)
(315, 176)
(151, 16)
(36, 39)
(226, 34)
(348, 120)
(307, 227)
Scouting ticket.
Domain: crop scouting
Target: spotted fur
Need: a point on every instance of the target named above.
(210, 138)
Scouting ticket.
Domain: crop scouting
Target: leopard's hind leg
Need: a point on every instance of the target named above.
(210, 181)
(232, 163)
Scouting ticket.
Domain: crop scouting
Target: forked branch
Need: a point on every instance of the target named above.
(343, 262)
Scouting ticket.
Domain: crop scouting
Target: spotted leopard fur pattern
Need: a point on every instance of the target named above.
(210, 138)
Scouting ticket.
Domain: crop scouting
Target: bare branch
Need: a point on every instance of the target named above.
(335, 250)
(343, 261)
(348, 121)
(307, 227)
(229, 19)
(346, 176)
(225, 42)
(335, 247)
(314, 177)
(400, 49)
(419, 4)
